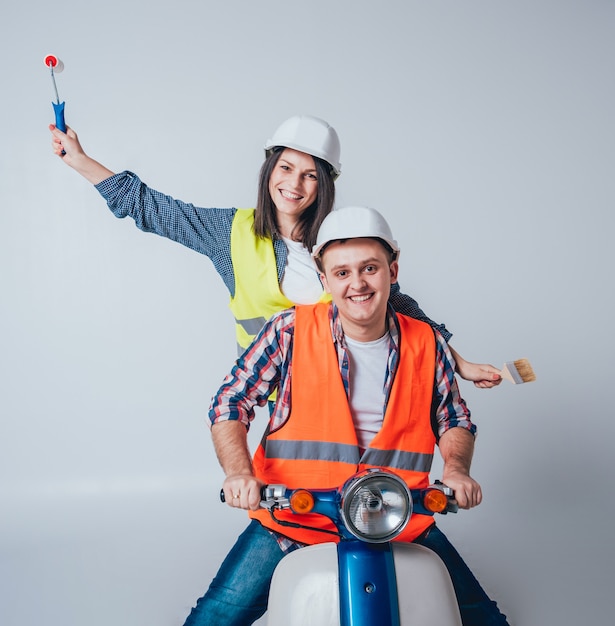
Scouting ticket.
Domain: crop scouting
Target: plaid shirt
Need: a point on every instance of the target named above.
(266, 365)
(208, 232)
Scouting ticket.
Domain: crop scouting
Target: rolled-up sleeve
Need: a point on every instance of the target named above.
(256, 373)
(451, 409)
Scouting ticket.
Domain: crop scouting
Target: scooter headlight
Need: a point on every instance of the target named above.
(375, 505)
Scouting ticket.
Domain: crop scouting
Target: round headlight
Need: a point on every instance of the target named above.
(375, 505)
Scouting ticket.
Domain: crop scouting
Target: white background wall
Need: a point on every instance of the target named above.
(483, 130)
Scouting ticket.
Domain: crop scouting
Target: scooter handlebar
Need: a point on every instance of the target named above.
(263, 491)
(277, 495)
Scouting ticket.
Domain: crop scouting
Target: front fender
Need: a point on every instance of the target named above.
(305, 588)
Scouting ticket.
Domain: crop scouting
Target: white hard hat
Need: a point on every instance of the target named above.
(310, 135)
(352, 222)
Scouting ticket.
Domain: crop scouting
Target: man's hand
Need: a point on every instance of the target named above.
(242, 491)
(467, 491)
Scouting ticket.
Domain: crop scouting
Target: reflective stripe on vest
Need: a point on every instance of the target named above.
(344, 453)
(317, 447)
(252, 326)
(313, 451)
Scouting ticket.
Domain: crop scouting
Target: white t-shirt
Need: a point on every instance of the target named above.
(300, 283)
(367, 370)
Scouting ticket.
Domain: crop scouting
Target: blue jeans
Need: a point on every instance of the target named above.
(238, 594)
(476, 608)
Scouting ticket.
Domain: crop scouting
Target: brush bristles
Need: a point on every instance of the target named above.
(525, 371)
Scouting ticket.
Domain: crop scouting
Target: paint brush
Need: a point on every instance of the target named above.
(519, 371)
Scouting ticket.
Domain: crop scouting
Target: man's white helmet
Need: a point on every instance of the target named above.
(310, 135)
(352, 222)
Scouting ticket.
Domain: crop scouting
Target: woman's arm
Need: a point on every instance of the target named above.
(204, 230)
(482, 375)
(403, 303)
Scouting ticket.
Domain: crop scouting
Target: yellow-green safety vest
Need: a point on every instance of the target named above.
(257, 290)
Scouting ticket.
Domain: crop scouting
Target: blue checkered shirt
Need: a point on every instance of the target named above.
(208, 231)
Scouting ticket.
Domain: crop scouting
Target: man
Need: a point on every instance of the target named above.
(357, 386)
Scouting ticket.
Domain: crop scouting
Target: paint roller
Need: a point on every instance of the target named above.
(55, 65)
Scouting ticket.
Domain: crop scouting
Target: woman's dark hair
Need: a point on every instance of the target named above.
(265, 222)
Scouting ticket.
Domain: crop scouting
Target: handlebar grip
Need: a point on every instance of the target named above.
(58, 109)
(223, 497)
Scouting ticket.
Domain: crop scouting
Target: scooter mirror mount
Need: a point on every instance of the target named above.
(274, 496)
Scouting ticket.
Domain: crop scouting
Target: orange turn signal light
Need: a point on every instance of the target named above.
(435, 500)
(301, 501)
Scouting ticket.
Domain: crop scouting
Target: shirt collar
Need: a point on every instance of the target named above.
(337, 332)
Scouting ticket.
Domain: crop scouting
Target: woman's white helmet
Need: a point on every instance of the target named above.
(310, 135)
(352, 222)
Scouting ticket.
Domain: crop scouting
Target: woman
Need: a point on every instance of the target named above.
(269, 246)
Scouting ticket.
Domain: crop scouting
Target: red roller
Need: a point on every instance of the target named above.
(52, 61)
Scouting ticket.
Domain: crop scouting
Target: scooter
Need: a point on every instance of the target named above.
(366, 579)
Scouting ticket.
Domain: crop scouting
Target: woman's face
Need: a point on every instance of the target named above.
(293, 186)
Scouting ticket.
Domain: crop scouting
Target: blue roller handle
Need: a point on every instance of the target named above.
(59, 111)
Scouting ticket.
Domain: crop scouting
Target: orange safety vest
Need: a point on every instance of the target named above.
(317, 447)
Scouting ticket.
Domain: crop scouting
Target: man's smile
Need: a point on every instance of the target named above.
(363, 298)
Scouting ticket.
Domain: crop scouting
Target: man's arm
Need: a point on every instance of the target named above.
(455, 430)
(241, 488)
(457, 447)
(260, 370)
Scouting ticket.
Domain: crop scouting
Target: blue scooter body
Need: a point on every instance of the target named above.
(361, 583)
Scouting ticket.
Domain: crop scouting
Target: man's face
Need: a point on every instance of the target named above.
(358, 274)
